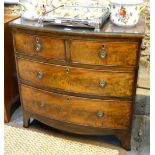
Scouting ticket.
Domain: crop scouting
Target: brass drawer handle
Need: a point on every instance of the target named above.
(68, 99)
(38, 45)
(102, 54)
(100, 114)
(67, 70)
(42, 104)
(102, 83)
(40, 75)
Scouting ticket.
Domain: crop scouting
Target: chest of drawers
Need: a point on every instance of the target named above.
(78, 81)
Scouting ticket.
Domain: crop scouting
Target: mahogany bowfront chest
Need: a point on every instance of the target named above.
(78, 80)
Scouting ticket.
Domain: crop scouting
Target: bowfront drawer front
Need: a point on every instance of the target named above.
(99, 113)
(99, 53)
(40, 46)
(85, 81)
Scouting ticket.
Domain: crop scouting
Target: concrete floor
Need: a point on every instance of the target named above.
(140, 141)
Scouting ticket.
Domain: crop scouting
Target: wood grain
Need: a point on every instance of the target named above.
(11, 94)
(77, 80)
(51, 48)
(117, 54)
(73, 96)
(66, 108)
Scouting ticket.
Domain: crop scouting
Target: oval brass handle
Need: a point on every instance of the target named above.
(40, 75)
(102, 83)
(67, 70)
(100, 114)
(38, 47)
(102, 54)
(42, 104)
(68, 99)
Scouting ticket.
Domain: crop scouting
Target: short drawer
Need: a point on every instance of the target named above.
(92, 112)
(99, 53)
(78, 80)
(39, 46)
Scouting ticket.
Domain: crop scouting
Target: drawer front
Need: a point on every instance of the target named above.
(98, 53)
(77, 80)
(40, 46)
(98, 113)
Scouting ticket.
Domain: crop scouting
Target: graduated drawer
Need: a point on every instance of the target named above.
(39, 46)
(85, 81)
(77, 110)
(104, 53)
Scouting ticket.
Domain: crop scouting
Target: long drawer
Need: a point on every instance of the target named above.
(40, 46)
(104, 53)
(85, 81)
(77, 110)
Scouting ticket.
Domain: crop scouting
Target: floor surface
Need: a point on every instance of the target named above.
(140, 133)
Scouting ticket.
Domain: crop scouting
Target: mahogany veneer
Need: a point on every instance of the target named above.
(79, 81)
(115, 53)
(66, 108)
(11, 94)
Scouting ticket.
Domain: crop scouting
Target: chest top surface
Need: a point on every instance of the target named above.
(107, 30)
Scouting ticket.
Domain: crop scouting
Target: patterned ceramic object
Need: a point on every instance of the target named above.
(32, 10)
(125, 14)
